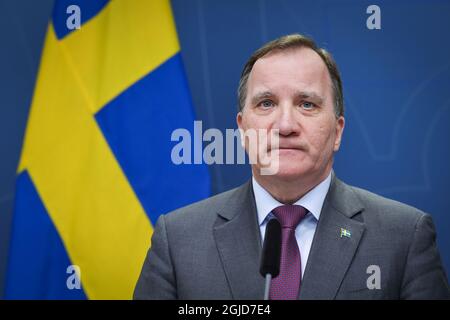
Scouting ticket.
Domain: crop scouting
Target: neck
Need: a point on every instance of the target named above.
(289, 191)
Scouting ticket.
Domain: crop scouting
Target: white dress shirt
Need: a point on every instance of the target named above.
(304, 233)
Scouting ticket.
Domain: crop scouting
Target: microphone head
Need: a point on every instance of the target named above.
(271, 253)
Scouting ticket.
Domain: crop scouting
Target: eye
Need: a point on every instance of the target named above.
(266, 104)
(307, 105)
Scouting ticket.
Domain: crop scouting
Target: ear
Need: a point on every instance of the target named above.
(340, 124)
(239, 119)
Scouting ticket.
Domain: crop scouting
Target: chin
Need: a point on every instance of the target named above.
(290, 171)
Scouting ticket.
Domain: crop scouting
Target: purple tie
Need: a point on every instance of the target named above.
(286, 286)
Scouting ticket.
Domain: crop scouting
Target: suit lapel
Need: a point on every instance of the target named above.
(238, 242)
(335, 242)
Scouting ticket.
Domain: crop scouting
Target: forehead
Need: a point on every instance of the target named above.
(291, 69)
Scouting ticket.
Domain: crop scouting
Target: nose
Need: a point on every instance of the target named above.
(286, 121)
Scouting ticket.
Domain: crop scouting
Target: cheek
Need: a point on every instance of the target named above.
(255, 122)
(321, 140)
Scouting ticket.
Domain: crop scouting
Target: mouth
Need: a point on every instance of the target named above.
(288, 148)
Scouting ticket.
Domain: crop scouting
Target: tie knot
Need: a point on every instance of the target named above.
(289, 216)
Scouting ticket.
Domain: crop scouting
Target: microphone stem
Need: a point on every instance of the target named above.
(267, 288)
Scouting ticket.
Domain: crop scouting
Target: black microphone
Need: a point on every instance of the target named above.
(270, 259)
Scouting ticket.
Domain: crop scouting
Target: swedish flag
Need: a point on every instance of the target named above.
(95, 170)
(345, 233)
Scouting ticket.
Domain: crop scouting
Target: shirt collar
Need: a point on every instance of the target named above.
(311, 201)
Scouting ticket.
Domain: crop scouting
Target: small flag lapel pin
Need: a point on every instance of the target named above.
(345, 233)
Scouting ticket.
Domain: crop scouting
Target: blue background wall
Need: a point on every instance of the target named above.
(396, 88)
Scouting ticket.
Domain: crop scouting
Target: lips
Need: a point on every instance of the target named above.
(289, 150)
(289, 147)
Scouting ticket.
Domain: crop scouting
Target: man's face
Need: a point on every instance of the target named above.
(292, 91)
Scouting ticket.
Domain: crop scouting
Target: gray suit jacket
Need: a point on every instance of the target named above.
(211, 250)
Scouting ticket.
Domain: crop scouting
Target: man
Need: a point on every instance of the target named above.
(338, 241)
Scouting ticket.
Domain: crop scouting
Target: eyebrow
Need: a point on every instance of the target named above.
(309, 95)
(260, 96)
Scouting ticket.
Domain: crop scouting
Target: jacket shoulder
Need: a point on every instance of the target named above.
(205, 210)
(390, 211)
